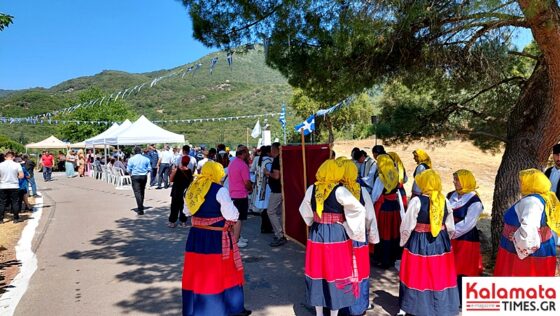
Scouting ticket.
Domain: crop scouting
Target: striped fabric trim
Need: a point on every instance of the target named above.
(204, 223)
(508, 231)
(425, 228)
(328, 218)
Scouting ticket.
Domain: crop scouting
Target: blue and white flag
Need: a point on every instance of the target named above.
(307, 126)
(282, 118)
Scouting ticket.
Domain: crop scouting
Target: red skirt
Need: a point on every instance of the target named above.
(468, 260)
(509, 264)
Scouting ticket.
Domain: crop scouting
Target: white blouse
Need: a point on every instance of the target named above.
(371, 220)
(228, 210)
(354, 212)
(527, 239)
(410, 220)
(473, 212)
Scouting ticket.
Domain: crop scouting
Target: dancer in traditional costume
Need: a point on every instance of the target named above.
(526, 245)
(467, 208)
(423, 162)
(335, 218)
(403, 178)
(428, 280)
(361, 252)
(213, 272)
(388, 212)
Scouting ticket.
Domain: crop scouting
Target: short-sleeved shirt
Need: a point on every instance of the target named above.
(9, 171)
(47, 161)
(238, 174)
(275, 184)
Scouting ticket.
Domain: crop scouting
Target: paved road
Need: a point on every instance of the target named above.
(97, 257)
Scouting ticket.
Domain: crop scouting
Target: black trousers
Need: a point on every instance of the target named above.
(9, 196)
(177, 205)
(139, 188)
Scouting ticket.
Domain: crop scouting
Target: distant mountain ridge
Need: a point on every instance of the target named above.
(247, 87)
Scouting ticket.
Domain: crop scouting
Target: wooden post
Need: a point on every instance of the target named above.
(247, 138)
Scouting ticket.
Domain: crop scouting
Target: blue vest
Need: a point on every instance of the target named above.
(331, 205)
(211, 207)
(424, 214)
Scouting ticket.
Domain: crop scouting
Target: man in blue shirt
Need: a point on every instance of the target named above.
(138, 168)
(154, 158)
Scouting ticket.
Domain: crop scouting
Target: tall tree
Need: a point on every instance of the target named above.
(463, 49)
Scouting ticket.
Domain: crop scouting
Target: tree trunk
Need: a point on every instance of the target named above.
(534, 123)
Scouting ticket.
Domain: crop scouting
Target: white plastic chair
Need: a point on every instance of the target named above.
(123, 179)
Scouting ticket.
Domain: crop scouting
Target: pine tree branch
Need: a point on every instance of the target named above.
(481, 133)
(524, 54)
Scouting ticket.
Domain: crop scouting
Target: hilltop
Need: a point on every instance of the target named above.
(248, 87)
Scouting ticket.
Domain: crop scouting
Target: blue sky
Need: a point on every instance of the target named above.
(53, 41)
(57, 40)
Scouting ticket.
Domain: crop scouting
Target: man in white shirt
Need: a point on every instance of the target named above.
(166, 159)
(553, 173)
(192, 160)
(10, 173)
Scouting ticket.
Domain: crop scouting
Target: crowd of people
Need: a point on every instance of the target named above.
(357, 211)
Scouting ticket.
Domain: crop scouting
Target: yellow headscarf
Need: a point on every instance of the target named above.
(533, 181)
(399, 164)
(349, 180)
(423, 157)
(467, 180)
(328, 177)
(387, 172)
(430, 184)
(211, 172)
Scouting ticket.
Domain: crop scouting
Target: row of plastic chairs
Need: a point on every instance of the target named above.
(115, 176)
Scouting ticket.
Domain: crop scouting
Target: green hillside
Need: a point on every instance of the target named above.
(248, 87)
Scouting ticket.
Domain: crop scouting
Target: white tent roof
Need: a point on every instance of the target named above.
(51, 142)
(103, 138)
(84, 145)
(145, 132)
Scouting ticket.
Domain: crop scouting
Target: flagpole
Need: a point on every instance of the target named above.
(304, 162)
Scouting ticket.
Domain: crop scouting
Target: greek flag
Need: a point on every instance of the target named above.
(282, 118)
(307, 126)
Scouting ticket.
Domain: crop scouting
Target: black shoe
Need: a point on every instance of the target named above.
(158, 188)
(17, 220)
(140, 212)
(278, 242)
(245, 312)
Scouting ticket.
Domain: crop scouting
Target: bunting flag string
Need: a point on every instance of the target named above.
(40, 121)
(129, 91)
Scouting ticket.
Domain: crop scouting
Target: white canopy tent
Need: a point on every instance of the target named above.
(144, 132)
(102, 138)
(49, 143)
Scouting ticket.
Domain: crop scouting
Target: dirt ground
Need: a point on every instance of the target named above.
(9, 236)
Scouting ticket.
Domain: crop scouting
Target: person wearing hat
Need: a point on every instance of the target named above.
(553, 173)
(213, 271)
(335, 217)
(428, 280)
(527, 246)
